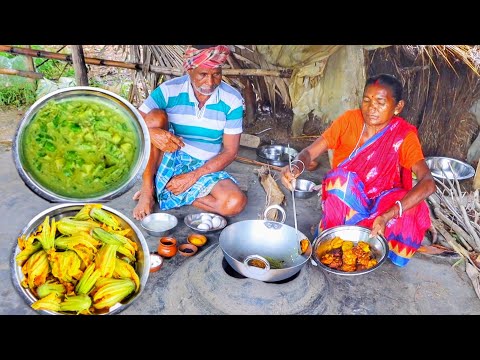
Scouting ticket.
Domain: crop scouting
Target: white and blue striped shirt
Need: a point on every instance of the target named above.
(201, 129)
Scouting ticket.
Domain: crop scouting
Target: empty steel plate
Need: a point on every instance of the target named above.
(449, 168)
(276, 154)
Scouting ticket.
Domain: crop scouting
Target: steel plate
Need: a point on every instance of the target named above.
(449, 168)
(276, 154)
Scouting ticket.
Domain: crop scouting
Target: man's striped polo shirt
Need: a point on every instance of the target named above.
(201, 129)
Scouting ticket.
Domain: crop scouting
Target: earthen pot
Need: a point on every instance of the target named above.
(187, 249)
(156, 262)
(167, 246)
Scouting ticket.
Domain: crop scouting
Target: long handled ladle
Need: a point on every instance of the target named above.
(293, 202)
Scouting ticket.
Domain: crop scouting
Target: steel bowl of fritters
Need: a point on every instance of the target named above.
(348, 250)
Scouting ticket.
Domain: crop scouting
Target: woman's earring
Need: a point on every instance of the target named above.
(395, 113)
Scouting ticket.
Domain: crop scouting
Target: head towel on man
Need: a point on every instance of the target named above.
(206, 56)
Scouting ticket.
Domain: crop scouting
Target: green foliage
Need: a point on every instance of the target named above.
(50, 68)
(53, 69)
(17, 96)
(7, 55)
(18, 91)
(125, 89)
(95, 82)
(15, 90)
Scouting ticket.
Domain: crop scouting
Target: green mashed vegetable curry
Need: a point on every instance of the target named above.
(80, 147)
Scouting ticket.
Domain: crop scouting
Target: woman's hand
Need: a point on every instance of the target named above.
(181, 183)
(164, 140)
(378, 227)
(288, 177)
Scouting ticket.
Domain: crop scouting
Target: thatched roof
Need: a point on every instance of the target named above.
(268, 89)
(441, 82)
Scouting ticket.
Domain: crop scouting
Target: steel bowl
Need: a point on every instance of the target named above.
(322, 244)
(276, 154)
(141, 266)
(304, 189)
(193, 220)
(449, 168)
(159, 224)
(110, 100)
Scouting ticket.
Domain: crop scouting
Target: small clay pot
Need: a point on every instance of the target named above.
(156, 262)
(197, 239)
(187, 249)
(167, 246)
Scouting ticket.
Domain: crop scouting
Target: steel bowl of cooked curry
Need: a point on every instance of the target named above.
(348, 250)
(81, 144)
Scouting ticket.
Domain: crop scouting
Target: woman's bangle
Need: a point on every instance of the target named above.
(400, 208)
(294, 161)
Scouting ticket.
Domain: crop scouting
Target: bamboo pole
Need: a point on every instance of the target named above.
(136, 66)
(27, 74)
(257, 163)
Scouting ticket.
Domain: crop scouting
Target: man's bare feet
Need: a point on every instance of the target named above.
(144, 206)
(136, 196)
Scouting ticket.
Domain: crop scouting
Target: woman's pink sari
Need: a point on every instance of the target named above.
(368, 183)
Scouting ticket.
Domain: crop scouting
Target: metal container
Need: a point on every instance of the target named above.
(193, 220)
(110, 100)
(159, 224)
(354, 233)
(141, 266)
(304, 189)
(260, 240)
(448, 168)
(276, 154)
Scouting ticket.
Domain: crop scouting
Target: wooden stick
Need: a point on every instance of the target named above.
(452, 242)
(27, 74)
(257, 163)
(257, 72)
(462, 234)
(136, 66)
(78, 58)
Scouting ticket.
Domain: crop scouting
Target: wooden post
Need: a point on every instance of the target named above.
(476, 179)
(248, 95)
(79, 66)
(250, 102)
(31, 68)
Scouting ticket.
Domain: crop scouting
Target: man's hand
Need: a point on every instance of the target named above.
(165, 140)
(181, 183)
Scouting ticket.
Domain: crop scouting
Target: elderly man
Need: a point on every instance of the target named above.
(195, 122)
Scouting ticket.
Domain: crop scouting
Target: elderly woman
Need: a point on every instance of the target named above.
(374, 154)
(195, 123)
